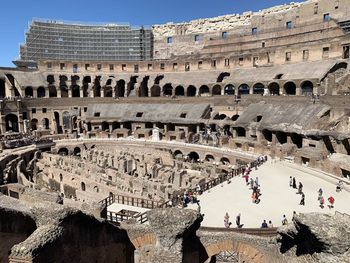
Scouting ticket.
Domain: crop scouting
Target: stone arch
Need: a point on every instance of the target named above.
(115, 125)
(191, 91)
(120, 88)
(307, 87)
(143, 89)
(52, 91)
(216, 90)
(220, 116)
(34, 124)
(179, 91)
(281, 137)
(66, 120)
(63, 151)
(155, 91)
(222, 76)
(77, 151)
(290, 88)
(178, 154)
(108, 91)
(235, 117)
(86, 83)
(204, 89)
(243, 89)
(225, 160)
(104, 126)
(258, 88)
(75, 91)
(193, 157)
(167, 90)
(229, 89)
(267, 135)
(241, 132)
(50, 79)
(11, 122)
(46, 123)
(41, 92)
(249, 252)
(274, 88)
(209, 158)
(28, 92)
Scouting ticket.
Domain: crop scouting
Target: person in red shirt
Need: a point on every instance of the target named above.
(331, 201)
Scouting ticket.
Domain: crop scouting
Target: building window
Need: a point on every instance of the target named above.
(213, 63)
(326, 17)
(49, 65)
(183, 115)
(240, 61)
(316, 9)
(224, 35)
(136, 68)
(288, 56)
(254, 30)
(111, 67)
(325, 52)
(289, 24)
(44, 110)
(97, 114)
(123, 67)
(25, 115)
(62, 66)
(33, 110)
(99, 66)
(85, 109)
(346, 52)
(196, 38)
(305, 54)
(162, 66)
(263, 44)
(200, 64)
(174, 66)
(169, 40)
(139, 114)
(150, 67)
(75, 68)
(87, 66)
(187, 66)
(227, 62)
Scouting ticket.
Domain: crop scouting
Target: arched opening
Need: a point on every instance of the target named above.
(52, 92)
(2, 89)
(115, 125)
(155, 91)
(240, 132)
(50, 79)
(13, 84)
(179, 91)
(235, 117)
(41, 92)
(204, 89)
(57, 122)
(63, 151)
(297, 139)
(216, 90)
(167, 90)
(66, 120)
(229, 89)
(108, 91)
(64, 91)
(178, 154)
(46, 123)
(307, 88)
(274, 88)
(290, 88)
(11, 121)
(104, 126)
(193, 157)
(83, 187)
(34, 124)
(222, 76)
(89, 126)
(61, 177)
(267, 135)
(191, 91)
(281, 137)
(77, 151)
(220, 116)
(75, 91)
(143, 90)
(86, 82)
(243, 89)
(28, 92)
(121, 88)
(209, 158)
(258, 88)
(225, 161)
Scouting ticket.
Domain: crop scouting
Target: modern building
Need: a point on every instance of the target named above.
(56, 40)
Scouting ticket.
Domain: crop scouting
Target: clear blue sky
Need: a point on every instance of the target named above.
(15, 14)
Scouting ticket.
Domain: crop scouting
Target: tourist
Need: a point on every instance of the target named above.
(227, 222)
(198, 189)
(290, 181)
(331, 202)
(238, 220)
(284, 220)
(257, 182)
(339, 186)
(300, 188)
(270, 224)
(302, 201)
(320, 193)
(294, 183)
(264, 224)
(251, 183)
(321, 199)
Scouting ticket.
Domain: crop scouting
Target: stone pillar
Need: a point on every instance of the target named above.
(274, 139)
(102, 92)
(81, 92)
(59, 93)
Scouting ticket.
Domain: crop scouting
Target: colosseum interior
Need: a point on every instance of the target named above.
(214, 95)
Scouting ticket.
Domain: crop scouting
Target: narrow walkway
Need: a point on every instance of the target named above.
(277, 197)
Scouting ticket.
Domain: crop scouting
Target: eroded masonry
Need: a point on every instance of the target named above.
(152, 112)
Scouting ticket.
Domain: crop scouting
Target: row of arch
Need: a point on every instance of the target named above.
(274, 88)
(193, 156)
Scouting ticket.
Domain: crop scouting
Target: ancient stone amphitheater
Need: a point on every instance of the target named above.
(203, 100)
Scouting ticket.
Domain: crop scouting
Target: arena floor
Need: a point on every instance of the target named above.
(277, 197)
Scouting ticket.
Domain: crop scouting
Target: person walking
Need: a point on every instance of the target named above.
(321, 199)
(264, 224)
(331, 202)
(290, 181)
(238, 220)
(294, 183)
(302, 201)
(227, 222)
(300, 188)
(284, 220)
(270, 224)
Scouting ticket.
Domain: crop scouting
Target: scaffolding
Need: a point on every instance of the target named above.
(58, 40)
